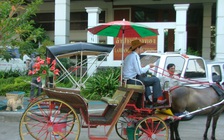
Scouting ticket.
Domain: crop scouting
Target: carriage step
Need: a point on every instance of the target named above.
(91, 126)
(98, 138)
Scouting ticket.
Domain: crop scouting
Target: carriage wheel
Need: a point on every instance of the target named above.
(151, 128)
(42, 96)
(49, 119)
(121, 126)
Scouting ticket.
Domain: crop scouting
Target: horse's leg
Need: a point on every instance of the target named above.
(208, 122)
(175, 127)
(214, 124)
(171, 131)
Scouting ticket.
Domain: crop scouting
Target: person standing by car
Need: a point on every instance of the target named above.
(133, 69)
(26, 60)
(34, 83)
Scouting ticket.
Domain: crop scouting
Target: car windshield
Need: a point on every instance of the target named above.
(150, 59)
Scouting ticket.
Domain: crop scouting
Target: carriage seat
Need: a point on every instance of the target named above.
(67, 90)
(118, 95)
(116, 98)
(139, 86)
(111, 112)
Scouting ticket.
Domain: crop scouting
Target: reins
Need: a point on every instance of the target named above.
(187, 80)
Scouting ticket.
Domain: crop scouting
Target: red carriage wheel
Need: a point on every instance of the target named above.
(49, 119)
(151, 128)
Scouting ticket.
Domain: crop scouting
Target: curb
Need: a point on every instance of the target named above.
(10, 116)
(15, 116)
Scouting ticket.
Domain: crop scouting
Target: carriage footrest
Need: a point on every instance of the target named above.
(91, 126)
(98, 138)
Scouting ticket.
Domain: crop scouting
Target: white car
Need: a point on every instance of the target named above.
(189, 68)
(16, 63)
(215, 70)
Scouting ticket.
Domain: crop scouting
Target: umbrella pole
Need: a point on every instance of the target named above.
(122, 56)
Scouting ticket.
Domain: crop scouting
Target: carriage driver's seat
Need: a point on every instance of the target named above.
(138, 84)
(138, 97)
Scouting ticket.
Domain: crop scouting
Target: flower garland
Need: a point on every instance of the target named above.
(42, 68)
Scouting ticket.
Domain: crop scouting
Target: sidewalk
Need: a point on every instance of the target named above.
(14, 116)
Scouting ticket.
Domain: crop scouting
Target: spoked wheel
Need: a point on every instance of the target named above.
(121, 126)
(41, 97)
(49, 119)
(151, 128)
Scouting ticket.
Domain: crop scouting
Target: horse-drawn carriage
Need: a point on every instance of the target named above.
(61, 112)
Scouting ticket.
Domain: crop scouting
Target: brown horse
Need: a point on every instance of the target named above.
(190, 99)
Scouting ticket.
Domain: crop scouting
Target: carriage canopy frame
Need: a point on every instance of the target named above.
(76, 50)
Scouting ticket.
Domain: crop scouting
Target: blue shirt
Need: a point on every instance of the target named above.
(132, 66)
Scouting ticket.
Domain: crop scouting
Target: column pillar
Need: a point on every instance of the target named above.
(160, 46)
(62, 22)
(180, 32)
(206, 33)
(93, 20)
(219, 31)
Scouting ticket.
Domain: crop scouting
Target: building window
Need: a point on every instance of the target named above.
(79, 20)
(154, 13)
(45, 20)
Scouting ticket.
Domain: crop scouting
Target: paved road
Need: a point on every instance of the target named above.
(190, 130)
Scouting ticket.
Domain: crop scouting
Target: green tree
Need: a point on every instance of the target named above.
(17, 29)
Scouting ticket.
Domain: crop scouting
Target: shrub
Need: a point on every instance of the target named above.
(15, 84)
(12, 73)
(103, 83)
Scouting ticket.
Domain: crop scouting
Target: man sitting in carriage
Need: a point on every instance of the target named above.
(132, 69)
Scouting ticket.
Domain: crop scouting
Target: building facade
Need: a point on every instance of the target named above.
(67, 20)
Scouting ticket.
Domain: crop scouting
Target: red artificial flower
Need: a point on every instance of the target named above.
(52, 68)
(38, 58)
(48, 60)
(34, 72)
(30, 72)
(37, 66)
(44, 72)
(56, 71)
(53, 62)
(38, 79)
(41, 61)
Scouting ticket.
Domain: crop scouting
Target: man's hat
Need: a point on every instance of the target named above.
(135, 44)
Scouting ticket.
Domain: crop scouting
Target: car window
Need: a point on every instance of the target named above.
(195, 69)
(216, 71)
(14, 52)
(178, 61)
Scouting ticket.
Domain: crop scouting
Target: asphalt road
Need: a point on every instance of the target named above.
(189, 130)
